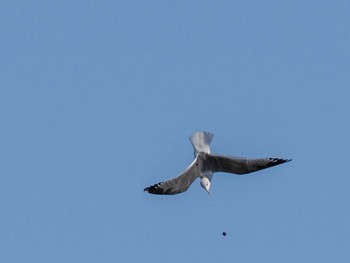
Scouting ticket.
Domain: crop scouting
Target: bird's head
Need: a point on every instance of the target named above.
(205, 183)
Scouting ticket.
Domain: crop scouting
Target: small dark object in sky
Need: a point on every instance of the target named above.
(224, 234)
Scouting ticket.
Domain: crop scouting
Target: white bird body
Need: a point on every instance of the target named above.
(205, 164)
(201, 144)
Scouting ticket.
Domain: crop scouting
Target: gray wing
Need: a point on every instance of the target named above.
(239, 165)
(176, 185)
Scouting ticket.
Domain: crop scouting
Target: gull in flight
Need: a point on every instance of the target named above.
(206, 163)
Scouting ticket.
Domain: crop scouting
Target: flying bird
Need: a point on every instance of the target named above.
(205, 164)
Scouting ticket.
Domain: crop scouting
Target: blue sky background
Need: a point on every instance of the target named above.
(98, 99)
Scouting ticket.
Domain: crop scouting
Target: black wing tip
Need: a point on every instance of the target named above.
(276, 161)
(154, 189)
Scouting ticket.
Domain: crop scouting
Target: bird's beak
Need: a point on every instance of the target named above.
(208, 191)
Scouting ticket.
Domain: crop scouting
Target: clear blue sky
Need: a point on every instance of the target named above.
(98, 99)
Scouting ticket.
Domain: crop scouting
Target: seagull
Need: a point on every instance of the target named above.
(205, 164)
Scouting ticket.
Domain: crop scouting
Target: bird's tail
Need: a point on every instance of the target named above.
(201, 142)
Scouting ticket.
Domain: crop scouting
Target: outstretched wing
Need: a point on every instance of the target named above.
(176, 185)
(239, 165)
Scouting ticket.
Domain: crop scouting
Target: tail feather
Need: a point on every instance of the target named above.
(201, 142)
